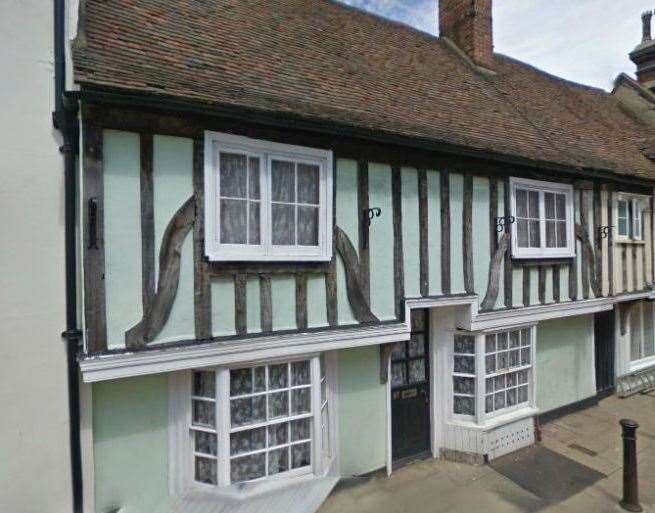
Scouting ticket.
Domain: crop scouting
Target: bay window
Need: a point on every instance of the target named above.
(266, 201)
(258, 422)
(492, 373)
(543, 219)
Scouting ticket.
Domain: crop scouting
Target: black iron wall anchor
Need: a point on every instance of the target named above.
(367, 216)
(604, 231)
(93, 223)
(630, 500)
(502, 223)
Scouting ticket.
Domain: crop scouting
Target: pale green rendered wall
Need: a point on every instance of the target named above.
(362, 412)
(565, 361)
(122, 234)
(130, 444)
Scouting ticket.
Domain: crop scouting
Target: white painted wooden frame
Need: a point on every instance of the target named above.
(639, 203)
(543, 187)
(266, 151)
(181, 459)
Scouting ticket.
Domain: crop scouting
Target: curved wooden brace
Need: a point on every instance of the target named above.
(155, 317)
(354, 288)
(494, 274)
(594, 280)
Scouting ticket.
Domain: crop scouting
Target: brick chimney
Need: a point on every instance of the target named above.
(644, 54)
(468, 24)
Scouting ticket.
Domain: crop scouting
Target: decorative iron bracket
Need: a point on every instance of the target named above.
(503, 222)
(604, 231)
(367, 216)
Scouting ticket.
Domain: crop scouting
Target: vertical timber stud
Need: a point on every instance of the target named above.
(240, 300)
(94, 253)
(635, 270)
(301, 301)
(467, 234)
(556, 285)
(423, 231)
(610, 242)
(398, 259)
(265, 306)
(573, 266)
(201, 281)
(331, 275)
(584, 214)
(445, 232)
(598, 241)
(624, 267)
(508, 254)
(542, 284)
(147, 224)
(526, 286)
(493, 213)
(364, 229)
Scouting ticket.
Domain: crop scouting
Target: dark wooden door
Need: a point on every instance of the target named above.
(604, 340)
(410, 394)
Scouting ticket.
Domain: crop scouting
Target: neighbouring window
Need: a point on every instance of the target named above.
(629, 218)
(258, 422)
(266, 201)
(492, 372)
(543, 213)
(464, 377)
(507, 370)
(642, 338)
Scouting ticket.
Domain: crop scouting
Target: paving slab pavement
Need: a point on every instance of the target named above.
(590, 437)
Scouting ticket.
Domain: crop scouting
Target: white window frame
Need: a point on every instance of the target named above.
(181, 437)
(642, 309)
(481, 418)
(266, 151)
(635, 204)
(543, 187)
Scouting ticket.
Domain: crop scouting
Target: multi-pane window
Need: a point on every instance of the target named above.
(642, 338)
(203, 426)
(507, 367)
(409, 360)
(543, 214)
(492, 372)
(629, 218)
(266, 201)
(239, 196)
(270, 420)
(295, 203)
(325, 412)
(255, 422)
(464, 377)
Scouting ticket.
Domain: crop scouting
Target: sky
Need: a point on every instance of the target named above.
(586, 41)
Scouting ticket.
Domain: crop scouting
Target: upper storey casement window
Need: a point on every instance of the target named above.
(543, 213)
(266, 201)
(629, 218)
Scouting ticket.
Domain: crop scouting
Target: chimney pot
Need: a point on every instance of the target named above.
(468, 24)
(645, 26)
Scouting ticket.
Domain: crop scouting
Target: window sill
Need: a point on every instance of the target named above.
(251, 490)
(640, 365)
(500, 420)
(629, 242)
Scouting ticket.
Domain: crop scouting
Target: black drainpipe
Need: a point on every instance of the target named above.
(65, 120)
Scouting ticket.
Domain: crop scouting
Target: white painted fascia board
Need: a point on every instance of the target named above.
(531, 314)
(123, 365)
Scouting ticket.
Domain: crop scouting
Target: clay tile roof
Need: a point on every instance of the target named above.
(326, 61)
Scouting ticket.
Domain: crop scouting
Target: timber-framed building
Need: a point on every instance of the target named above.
(316, 243)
